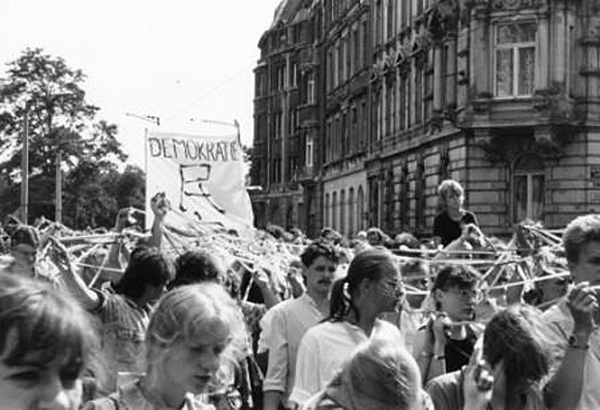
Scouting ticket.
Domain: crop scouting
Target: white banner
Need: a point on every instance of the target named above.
(202, 177)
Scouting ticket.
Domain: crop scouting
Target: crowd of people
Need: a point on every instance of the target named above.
(372, 323)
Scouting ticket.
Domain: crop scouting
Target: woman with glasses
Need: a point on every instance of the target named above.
(451, 222)
(371, 287)
(445, 342)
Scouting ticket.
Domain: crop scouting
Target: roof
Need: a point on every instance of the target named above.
(286, 11)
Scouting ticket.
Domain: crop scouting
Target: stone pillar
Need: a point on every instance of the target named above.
(542, 60)
(479, 50)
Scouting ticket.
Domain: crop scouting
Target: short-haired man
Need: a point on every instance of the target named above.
(442, 346)
(575, 384)
(289, 320)
(124, 313)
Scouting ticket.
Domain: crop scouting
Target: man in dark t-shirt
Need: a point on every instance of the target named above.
(449, 223)
(448, 229)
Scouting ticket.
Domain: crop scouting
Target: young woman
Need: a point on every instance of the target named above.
(192, 333)
(379, 376)
(45, 343)
(372, 286)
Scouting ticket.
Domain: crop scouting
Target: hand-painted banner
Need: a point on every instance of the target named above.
(202, 177)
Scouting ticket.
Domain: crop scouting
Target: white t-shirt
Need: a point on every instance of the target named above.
(325, 348)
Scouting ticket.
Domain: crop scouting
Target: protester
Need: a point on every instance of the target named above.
(199, 266)
(287, 322)
(448, 225)
(124, 313)
(509, 372)
(371, 287)
(376, 237)
(194, 331)
(413, 315)
(445, 344)
(24, 243)
(574, 333)
(46, 342)
(380, 375)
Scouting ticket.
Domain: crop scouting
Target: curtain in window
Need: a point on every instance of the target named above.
(504, 72)
(526, 70)
(537, 197)
(520, 198)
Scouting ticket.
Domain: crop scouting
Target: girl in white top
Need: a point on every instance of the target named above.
(372, 286)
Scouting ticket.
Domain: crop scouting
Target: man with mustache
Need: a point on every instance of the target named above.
(286, 323)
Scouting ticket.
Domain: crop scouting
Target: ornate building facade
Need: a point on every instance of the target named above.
(285, 155)
(501, 95)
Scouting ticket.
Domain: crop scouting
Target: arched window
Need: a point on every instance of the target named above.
(374, 203)
(420, 193)
(528, 186)
(343, 212)
(360, 208)
(389, 200)
(404, 197)
(334, 211)
(351, 209)
(326, 217)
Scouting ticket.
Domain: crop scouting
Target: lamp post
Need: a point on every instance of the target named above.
(25, 167)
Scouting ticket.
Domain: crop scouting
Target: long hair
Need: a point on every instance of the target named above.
(41, 322)
(518, 337)
(368, 264)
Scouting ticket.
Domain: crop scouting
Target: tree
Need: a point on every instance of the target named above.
(50, 93)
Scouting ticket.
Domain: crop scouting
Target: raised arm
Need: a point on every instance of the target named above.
(73, 282)
(564, 389)
(160, 206)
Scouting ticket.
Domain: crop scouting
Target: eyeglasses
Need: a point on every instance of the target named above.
(466, 294)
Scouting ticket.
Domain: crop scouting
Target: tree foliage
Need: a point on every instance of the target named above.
(50, 94)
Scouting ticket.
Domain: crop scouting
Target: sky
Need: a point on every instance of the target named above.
(184, 61)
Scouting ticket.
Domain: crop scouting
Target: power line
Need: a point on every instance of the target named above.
(209, 92)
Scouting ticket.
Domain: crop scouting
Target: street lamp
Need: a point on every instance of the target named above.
(25, 167)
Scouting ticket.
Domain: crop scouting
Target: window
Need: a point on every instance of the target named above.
(342, 227)
(360, 208)
(294, 75)
(327, 208)
(309, 151)
(311, 90)
(334, 211)
(351, 216)
(515, 59)
(528, 189)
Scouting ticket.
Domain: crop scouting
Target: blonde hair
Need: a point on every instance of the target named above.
(380, 375)
(186, 314)
(447, 186)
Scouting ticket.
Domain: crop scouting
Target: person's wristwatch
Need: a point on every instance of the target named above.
(577, 342)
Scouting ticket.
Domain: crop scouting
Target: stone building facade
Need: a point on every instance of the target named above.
(501, 95)
(286, 121)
